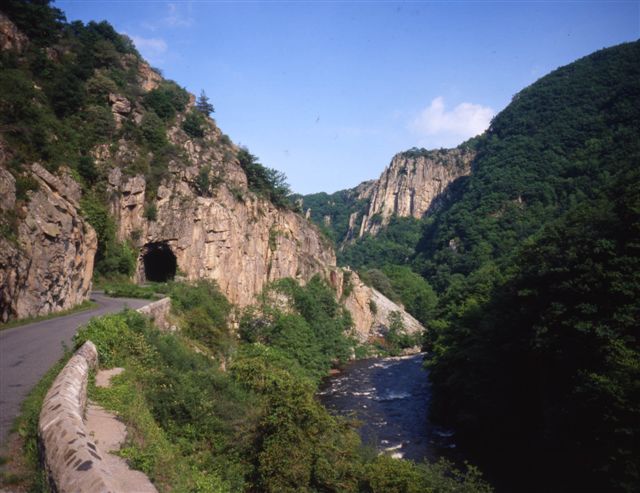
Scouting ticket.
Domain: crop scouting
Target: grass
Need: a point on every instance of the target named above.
(127, 289)
(148, 448)
(85, 305)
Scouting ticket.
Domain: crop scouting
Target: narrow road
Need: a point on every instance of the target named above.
(28, 351)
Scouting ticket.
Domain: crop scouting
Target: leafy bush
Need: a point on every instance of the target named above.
(266, 182)
(115, 340)
(150, 212)
(166, 100)
(379, 281)
(24, 185)
(87, 169)
(204, 312)
(193, 124)
(112, 257)
(153, 131)
(387, 475)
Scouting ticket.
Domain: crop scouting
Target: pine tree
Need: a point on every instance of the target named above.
(203, 105)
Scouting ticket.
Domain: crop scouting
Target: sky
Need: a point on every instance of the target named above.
(329, 91)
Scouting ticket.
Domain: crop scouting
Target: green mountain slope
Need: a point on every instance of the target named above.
(558, 143)
(536, 353)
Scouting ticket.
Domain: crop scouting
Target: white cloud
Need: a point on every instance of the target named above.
(177, 18)
(440, 127)
(151, 48)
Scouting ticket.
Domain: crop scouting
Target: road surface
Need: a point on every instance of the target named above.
(28, 351)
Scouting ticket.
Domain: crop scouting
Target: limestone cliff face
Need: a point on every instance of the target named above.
(371, 310)
(229, 234)
(237, 239)
(224, 232)
(46, 265)
(411, 186)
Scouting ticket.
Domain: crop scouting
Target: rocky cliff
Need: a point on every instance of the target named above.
(151, 159)
(412, 185)
(46, 249)
(232, 236)
(372, 312)
(415, 184)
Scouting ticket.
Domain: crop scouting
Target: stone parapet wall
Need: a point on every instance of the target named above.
(158, 312)
(71, 457)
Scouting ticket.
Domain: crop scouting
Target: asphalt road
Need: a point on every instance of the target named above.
(28, 351)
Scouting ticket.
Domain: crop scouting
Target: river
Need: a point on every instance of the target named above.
(390, 397)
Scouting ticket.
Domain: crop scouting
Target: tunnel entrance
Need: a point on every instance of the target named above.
(159, 262)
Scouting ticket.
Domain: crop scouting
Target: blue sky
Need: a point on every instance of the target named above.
(329, 91)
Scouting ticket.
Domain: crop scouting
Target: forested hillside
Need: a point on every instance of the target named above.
(537, 348)
(530, 280)
(535, 261)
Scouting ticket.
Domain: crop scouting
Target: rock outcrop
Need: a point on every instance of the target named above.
(371, 311)
(239, 240)
(11, 38)
(181, 199)
(412, 185)
(46, 256)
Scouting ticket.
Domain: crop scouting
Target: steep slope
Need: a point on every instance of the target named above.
(415, 184)
(559, 142)
(138, 158)
(206, 219)
(535, 360)
(46, 262)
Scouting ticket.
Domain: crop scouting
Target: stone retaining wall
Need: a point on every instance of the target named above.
(71, 458)
(158, 311)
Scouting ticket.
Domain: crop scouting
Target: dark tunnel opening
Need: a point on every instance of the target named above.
(159, 262)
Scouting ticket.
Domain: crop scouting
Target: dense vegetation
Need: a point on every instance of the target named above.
(537, 266)
(256, 426)
(552, 356)
(265, 182)
(534, 260)
(337, 207)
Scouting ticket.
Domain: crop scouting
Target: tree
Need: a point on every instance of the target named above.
(203, 105)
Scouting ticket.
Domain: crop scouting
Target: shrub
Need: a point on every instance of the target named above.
(150, 212)
(99, 124)
(166, 100)
(115, 340)
(193, 124)
(153, 130)
(24, 185)
(112, 257)
(202, 180)
(204, 311)
(387, 475)
(87, 169)
(100, 86)
(378, 280)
